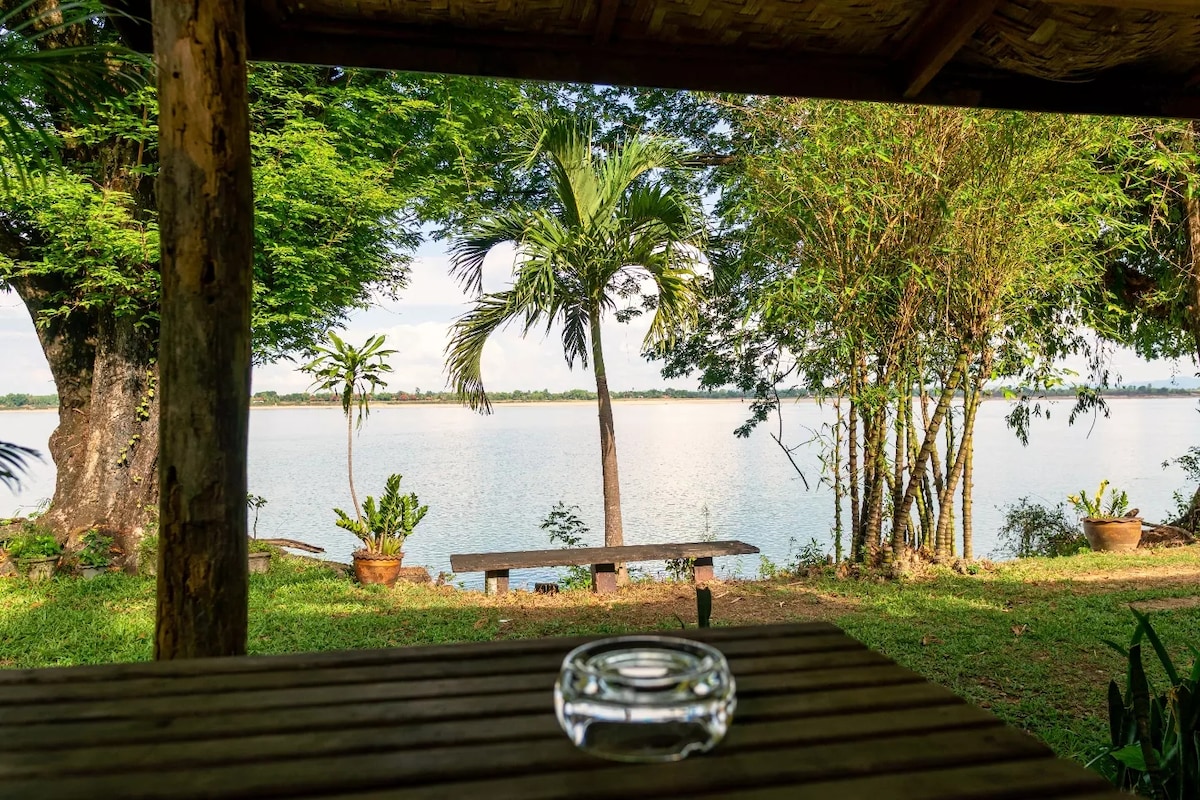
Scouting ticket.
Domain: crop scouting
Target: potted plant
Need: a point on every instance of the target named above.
(1108, 527)
(382, 529)
(260, 552)
(35, 553)
(94, 557)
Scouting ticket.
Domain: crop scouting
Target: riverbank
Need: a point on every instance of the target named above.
(1024, 639)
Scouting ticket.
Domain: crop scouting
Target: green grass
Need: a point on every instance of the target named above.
(1025, 640)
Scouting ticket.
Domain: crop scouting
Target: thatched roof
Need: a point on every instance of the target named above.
(1108, 56)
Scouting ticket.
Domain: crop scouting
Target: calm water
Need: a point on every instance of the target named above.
(489, 481)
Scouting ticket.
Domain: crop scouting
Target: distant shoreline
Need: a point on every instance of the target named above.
(636, 401)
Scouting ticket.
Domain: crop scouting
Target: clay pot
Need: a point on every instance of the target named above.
(1113, 535)
(38, 569)
(376, 568)
(260, 562)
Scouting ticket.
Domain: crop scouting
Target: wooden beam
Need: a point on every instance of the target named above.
(525, 56)
(206, 228)
(1169, 6)
(950, 24)
(606, 18)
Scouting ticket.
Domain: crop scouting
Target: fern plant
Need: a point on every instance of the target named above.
(384, 526)
(1095, 508)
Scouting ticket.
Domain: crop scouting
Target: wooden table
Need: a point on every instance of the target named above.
(819, 716)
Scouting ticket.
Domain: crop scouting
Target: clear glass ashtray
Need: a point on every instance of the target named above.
(645, 698)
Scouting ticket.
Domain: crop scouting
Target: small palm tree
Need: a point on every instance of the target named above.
(354, 373)
(605, 229)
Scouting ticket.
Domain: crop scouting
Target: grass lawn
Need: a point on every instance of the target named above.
(1024, 640)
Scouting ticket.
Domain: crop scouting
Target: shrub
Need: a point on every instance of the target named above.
(1033, 529)
(566, 528)
(34, 543)
(95, 549)
(1154, 738)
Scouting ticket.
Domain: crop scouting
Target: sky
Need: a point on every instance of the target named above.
(418, 325)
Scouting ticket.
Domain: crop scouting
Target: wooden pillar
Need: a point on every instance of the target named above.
(495, 581)
(604, 578)
(206, 224)
(703, 570)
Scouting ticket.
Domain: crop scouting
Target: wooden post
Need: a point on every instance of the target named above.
(495, 581)
(604, 578)
(206, 225)
(703, 570)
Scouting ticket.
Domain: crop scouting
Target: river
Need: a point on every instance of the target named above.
(489, 481)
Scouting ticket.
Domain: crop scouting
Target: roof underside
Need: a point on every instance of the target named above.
(1137, 57)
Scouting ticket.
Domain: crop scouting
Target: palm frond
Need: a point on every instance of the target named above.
(468, 335)
(78, 79)
(14, 463)
(468, 252)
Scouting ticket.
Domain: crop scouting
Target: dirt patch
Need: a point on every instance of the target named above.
(1167, 604)
(1141, 578)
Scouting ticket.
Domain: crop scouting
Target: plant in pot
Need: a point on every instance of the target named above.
(382, 528)
(35, 553)
(94, 557)
(1108, 526)
(260, 552)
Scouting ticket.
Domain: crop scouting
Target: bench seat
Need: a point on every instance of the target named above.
(603, 560)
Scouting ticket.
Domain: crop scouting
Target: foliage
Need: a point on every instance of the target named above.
(77, 77)
(95, 552)
(33, 544)
(1154, 738)
(566, 528)
(1032, 529)
(383, 528)
(605, 229)
(13, 462)
(261, 547)
(351, 372)
(1095, 508)
(255, 503)
(809, 557)
(147, 554)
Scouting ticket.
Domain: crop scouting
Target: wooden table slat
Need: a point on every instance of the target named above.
(1042, 779)
(548, 769)
(16, 694)
(280, 748)
(419, 716)
(422, 653)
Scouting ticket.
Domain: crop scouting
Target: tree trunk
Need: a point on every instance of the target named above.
(852, 463)
(1192, 309)
(945, 526)
(930, 440)
(105, 448)
(898, 457)
(350, 465)
(614, 534)
(968, 445)
(206, 219)
(839, 490)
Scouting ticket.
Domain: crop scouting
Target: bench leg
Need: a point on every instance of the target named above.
(495, 581)
(704, 570)
(604, 578)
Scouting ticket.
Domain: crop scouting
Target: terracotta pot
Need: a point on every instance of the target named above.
(1113, 535)
(376, 568)
(259, 563)
(38, 569)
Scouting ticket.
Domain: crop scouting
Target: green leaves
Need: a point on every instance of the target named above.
(352, 372)
(603, 230)
(387, 524)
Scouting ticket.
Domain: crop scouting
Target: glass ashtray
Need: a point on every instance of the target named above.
(645, 698)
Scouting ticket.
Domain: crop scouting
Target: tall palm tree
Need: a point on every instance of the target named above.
(354, 373)
(605, 229)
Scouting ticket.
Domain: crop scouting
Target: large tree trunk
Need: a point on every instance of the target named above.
(614, 534)
(105, 448)
(206, 217)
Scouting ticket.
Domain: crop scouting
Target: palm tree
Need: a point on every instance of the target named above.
(354, 373)
(605, 229)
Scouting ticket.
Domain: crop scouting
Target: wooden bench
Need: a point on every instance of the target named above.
(603, 561)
